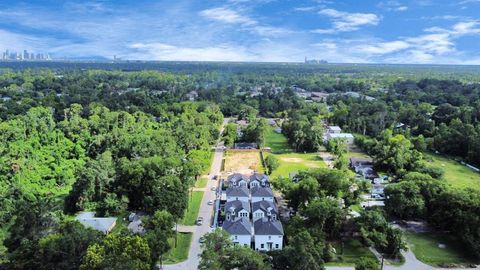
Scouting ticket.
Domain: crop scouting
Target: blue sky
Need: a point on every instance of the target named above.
(360, 31)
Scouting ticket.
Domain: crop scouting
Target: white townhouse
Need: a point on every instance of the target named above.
(263, 209)
(261, 194)
(237, 180)
(240, 231)
(259, 180)
(237, 193)
(237, 209)
(268, 234)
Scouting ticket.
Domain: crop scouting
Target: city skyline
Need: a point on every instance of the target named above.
(377, 31)
(22, 55)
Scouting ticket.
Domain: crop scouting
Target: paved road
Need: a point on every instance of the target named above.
(206, 211)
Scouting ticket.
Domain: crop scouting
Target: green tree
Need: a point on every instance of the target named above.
(118, 252)
(159, 230)
(272, 163)
(366, 263)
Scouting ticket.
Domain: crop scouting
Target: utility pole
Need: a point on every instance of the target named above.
(382, 262)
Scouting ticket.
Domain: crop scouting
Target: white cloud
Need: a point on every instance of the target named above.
(230, 16)
(226, 15)
(383, 47)
(345, 21)
(392, 6)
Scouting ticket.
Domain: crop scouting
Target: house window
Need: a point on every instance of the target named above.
(262, 245)
(276, 246)
(236, 237)
(269, 237)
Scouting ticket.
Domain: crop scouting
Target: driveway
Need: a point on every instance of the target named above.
(206, 211)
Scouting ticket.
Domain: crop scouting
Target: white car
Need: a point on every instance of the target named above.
(213, 188)
(210, 202)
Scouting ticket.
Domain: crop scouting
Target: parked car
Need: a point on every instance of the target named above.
(199, 221)
(210, 202)
(213, 188)
(201, 240)
(214, 177)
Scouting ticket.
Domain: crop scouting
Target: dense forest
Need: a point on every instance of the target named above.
(75, 138)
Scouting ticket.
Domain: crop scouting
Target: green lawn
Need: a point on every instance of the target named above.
(352, 251)
(456, 174)
(426, 249)
(180, 253)
(277, 142)
(295, 162)
(191, 214)
(201, 183)
(289, 160)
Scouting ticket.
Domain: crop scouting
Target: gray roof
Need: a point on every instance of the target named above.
(241, 226)
(264, 205)
(261, 192)
(103, 224)
(237, 191)
(237, 205)
(258, 176)
(265, 226)
(236, 177)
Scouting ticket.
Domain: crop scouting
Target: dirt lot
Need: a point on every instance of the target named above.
(243, 162)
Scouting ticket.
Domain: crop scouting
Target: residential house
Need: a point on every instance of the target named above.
(237, 180)
(237, 193)
(268, 234)
(240, 231)
(261, 194)
(103, 224)
(334, 129)
(259, 180)
(237, 209)
(263, 209)
(349, 139)
(246, 146)
(319, 96)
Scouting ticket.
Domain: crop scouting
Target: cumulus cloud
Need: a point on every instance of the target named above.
(392, 6)
(345, 21)
(226, 15)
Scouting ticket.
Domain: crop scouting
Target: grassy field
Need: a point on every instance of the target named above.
(180, 253)
(356, 152)
(243, 162)
(289, 160)
(352, 251)
(201, 183)
(426, 249)
(456, 174)
(193, 207)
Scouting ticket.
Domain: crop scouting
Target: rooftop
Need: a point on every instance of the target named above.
(265, 226)
(261, 192)
(237, 205)
(103, 224)
(237, 192)
(240, 226)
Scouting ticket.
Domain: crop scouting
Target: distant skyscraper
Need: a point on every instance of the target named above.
(26, 55)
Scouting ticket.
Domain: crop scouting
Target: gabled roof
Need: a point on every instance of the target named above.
(335, 128)
(237, 191)
(261, 192)
(103, 224)
(264, 226)
(264, 205)
(240, 226)
(236, 177)
(258, 176)
(237, 205)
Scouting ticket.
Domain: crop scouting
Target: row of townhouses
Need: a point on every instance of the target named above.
(251, 215)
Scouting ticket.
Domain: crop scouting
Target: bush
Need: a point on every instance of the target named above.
(366, 263)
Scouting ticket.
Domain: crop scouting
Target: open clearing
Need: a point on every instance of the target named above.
(194, 200)
(456, 174)
(243, 162)
(289, 160)
(179, 253)
(352, 251)
(426, 248)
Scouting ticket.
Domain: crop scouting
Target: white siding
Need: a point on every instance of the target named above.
(244, 199)
(258, 215)
(269, 242)
(258, 199)
(241, 240)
